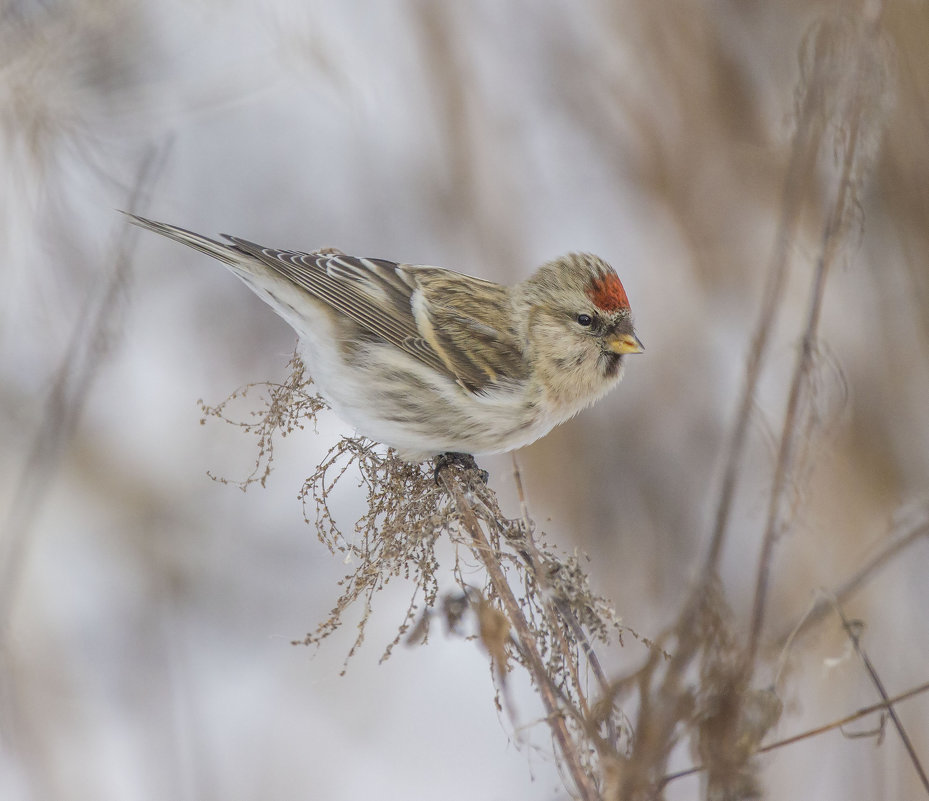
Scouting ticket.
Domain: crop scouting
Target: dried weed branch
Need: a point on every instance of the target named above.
(849, 101)
(534, 607)
(835, 724)
(395, 538)
(853, 629)
(901, 536)
(705, 692)
(287, 408)
(90, 344)
(547, 626)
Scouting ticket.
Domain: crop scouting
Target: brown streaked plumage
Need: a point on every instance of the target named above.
(428, 360)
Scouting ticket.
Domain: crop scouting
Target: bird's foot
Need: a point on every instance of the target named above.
(463, 460)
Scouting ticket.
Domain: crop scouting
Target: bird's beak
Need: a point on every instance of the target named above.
(625, 343)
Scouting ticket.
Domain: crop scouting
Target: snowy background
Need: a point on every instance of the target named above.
(147, 611)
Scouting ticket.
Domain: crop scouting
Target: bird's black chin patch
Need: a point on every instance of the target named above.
(610, 363)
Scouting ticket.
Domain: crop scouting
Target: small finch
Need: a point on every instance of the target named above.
(430, 361)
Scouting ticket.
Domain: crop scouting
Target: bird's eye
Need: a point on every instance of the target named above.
(585, 320)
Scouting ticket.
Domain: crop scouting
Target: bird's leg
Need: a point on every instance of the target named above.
(463, 460)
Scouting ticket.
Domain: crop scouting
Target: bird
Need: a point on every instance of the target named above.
(432, 362)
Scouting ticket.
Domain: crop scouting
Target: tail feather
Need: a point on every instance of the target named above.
(211, 247)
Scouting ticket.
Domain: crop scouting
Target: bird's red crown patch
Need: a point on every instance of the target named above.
(608, 294)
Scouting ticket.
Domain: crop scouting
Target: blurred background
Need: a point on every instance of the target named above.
(147, 611)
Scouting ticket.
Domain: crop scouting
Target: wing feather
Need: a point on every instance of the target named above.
(434, 315)
(372, 292)
(472, 331)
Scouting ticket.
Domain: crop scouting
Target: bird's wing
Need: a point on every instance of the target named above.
(469, 323)
(430, 313)
(455, 324)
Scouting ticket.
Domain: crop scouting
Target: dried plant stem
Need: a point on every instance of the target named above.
(786, 450)
(829, 248)
(564, 611)
(795, 184)
(548, 693)
(836, 724)
(823, 605)
(852, 629)
(89, 345)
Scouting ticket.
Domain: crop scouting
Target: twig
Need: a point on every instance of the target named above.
(796, 738)
(823, 604)
(852, 631)
(73, 379)
(830, 244)
(549, 695)
(564, 611)
(802, 152)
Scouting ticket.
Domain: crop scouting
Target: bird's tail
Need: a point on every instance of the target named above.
(204, 244)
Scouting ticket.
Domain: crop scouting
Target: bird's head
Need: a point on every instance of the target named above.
(578, 323)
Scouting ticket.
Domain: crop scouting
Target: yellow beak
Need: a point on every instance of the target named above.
(626, 343)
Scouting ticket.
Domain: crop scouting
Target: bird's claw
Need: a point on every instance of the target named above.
(463, 460)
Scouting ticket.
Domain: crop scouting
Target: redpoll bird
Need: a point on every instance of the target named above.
(430, 361)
